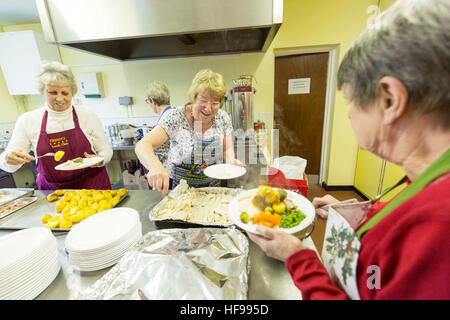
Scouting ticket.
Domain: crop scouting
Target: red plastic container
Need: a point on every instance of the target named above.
(277, 179)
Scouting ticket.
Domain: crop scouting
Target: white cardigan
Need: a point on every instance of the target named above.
(28, 127)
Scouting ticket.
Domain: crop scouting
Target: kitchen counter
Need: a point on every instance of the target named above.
(268, 278)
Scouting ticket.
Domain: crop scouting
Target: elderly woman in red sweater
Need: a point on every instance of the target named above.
(396, 76)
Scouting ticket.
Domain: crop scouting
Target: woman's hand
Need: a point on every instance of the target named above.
(87, 155)
(16, 157)
(158, 178)
(275, 243)
(318, 202)
(236, 162)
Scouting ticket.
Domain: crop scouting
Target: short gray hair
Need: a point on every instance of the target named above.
(410, 42)
(55, 73)
(159, 92)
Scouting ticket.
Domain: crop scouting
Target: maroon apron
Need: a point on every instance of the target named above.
(74, 143)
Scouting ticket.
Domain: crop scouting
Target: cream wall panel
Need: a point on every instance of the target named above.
(368, 170)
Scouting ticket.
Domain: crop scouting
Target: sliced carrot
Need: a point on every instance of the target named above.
(266, 223)
(272, 219)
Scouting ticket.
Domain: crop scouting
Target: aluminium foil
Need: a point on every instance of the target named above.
(178, 264)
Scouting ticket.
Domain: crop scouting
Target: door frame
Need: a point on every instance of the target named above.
(330, 96)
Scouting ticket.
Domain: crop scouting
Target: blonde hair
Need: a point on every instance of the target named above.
(55, 73)
(210, 82)
(158, 92)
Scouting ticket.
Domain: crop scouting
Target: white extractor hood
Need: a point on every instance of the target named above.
(148, 29)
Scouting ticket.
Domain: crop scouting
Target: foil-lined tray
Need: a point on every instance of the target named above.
(183, 187)
(10, 194)
(178, 264)
(11, 207)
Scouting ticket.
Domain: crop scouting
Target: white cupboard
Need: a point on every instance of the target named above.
(21, 53)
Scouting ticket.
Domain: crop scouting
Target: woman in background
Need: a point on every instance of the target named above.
(158, 97)
(58, 126)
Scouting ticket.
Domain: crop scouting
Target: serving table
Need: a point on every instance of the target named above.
(268, 278)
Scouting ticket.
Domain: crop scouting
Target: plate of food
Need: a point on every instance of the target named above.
(271, 207)
(79, 163)
(224, 171)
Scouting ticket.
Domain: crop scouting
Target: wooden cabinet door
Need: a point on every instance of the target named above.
(299, 117)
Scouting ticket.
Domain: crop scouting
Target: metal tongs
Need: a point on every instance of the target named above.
(327, 206)
(378, 197)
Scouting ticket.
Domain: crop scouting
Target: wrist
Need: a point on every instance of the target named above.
(155, 165)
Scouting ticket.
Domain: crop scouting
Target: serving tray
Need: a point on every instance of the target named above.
(16, 205)
(30, 216)
(8, 195)
(154, 211)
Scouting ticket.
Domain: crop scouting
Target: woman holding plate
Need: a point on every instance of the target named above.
(199, 135)
(396, 76)
(58, 126)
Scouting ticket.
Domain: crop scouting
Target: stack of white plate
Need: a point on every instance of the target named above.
(28, 263)
(102, 239)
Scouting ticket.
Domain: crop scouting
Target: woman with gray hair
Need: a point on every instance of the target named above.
(396, 76)
(58, 126)
(158, 97)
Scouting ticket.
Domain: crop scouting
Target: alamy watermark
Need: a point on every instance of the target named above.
(374, 280)
(248, 146)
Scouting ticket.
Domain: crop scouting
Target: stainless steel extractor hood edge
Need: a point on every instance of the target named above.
(246, 33)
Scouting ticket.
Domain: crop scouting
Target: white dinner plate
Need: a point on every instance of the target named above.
(34, 273)
(107, 254)
(224, 171)
(32, 289)
(87, 162)
(107, 250)
(20, 269)
(17, 247)
(235, 209)
(101, 230)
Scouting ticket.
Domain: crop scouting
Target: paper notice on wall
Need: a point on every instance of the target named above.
(299, 86)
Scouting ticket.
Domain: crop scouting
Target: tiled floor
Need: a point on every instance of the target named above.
(316, 190)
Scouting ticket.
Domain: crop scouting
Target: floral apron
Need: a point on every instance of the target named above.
(203, 155)
(74, 143)
(342, 242)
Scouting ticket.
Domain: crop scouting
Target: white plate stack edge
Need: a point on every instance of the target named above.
(101, 240)
(29, 263)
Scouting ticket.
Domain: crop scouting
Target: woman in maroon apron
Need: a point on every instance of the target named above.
(74, 144)
(46, 130)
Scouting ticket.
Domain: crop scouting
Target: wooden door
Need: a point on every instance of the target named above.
(299, 116)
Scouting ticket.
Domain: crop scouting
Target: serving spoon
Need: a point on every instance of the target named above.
(50, 154)
(58, 155)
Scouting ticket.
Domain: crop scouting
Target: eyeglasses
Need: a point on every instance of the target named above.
(212, 103)
(148, 100)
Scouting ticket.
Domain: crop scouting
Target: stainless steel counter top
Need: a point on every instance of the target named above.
(121, 148)
(268, 278)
